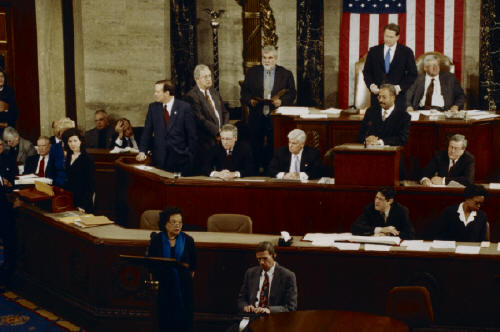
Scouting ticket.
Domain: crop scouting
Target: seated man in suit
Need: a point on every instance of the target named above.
(435, 90)
(269, 287)
(18, 147)
(100, 137)
(124, 135)
(456, 164)
(384, 216)
(387, 124)
(465, 222)
(37, 164)
(209, 111)
(171, 126)
(266, 87)
(230, 159)
(296, 161)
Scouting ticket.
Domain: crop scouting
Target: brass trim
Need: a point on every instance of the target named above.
(249, 64)
(251, 14)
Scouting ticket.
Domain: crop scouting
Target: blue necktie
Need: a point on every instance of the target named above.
(387, 61)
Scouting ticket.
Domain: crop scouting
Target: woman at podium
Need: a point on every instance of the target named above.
(175, 297)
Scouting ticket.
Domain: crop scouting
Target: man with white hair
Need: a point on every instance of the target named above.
(455, 164)
(209, 111)
(19, 148)
(296, 161)
(435, 89)
(266, 87)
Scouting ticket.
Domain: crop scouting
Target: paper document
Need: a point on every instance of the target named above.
(392, 240)
(467, 250)
(123, 150)
(406, 243)
(494, 185)
(31, 178)
(143, 167)
(485, 244)
(414, 116)
(292, 110)
(327, 236)
(322, 243)
(347, 246)
(377, 247)
(424, 246)
(332, 111)
(313, 116)
(443, 244)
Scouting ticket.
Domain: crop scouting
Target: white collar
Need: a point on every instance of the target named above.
(461, 214)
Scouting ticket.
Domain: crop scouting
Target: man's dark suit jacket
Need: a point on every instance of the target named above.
(463, 172)
(310, 162)
(283, 295)
(241, 160)
(371, 218)
(393, 131)
(452, 92)
(253, 86)
(92, 137)
(8, 166)
(453, 229)
(402, 71)
(178, 141)
(32, 163)
(206, 121)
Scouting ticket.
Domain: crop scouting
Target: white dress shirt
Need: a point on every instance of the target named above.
(437, 97)
(302, 175)
(270, 274)
(45, 166)
(461, 215)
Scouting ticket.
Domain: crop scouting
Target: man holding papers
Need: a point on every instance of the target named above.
(465, 222)
(384, 217)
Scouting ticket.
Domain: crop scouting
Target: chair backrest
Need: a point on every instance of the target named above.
(410, 304)
(230, 223)
(149, 219)
(445, 63)
(361, 92)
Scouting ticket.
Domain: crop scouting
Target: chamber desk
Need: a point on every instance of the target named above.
(426, 137)
(276, 205)
(78, 272)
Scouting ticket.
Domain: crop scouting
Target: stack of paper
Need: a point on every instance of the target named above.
(313, 116)
(392, 240)
(90, 220)
(332, 111)
(292, 110)
(30, 179)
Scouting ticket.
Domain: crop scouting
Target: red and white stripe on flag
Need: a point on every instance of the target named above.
(427, 25)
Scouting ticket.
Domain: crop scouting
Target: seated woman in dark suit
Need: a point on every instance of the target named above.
(80, 170)
(464, 222)
(175, 298)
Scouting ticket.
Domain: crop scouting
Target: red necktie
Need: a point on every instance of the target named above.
(264, 293)
(166, 116)
(41, 168)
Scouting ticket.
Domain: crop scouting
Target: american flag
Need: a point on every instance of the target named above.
(426, 25)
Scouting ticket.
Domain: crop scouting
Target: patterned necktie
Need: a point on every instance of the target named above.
(267, 91)
(387, 61)
(264, 292)
(166, 116)
(428, 95)
(212, 107)
(41, 168)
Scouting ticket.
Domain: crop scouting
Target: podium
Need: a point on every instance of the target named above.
(356, 164)
(157, 266)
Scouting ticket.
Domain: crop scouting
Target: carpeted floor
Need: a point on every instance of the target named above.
(19, 315)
